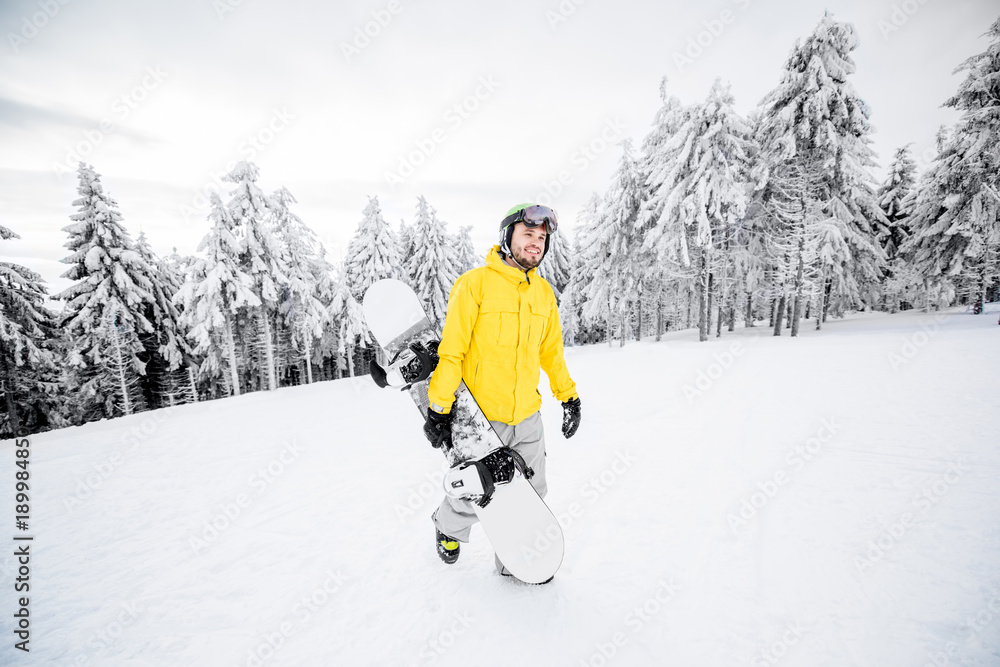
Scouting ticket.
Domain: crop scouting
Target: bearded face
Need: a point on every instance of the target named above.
(527, 245)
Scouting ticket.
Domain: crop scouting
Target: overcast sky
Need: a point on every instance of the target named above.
(477, 106)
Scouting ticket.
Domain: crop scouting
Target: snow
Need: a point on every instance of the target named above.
(880, 548)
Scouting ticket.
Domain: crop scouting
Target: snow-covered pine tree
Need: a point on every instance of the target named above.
(405, 247)
(117, 358)
(432, 267)
(325, 347)
(815, 119)
(261, 255)
(466, 258)
(555, 268)
(372, 253)
(576, 327)
(569, 297)
(656, 164)
(216, 290)
(109, 301)
(351, 333)
(371, 256)
(302, 312)
(956, 217)
(896, 198)
(28, 371)
(184, 382)
(621, 269)
(794, 231)
(167, 349)
(704, 194)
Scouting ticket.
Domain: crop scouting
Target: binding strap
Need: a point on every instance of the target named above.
(497, 468)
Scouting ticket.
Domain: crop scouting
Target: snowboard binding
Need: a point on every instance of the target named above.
(477, 480)
(410, 365)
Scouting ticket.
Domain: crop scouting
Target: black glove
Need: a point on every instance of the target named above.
(571, 417)
(437, 428)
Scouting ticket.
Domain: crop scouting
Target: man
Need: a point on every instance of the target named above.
(501, 328)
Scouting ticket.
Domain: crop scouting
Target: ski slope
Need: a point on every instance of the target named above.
(824, 501)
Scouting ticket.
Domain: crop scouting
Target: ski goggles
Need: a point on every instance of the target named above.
(533, 216)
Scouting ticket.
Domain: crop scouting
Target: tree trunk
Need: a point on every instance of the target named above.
(799, 271)
(709, 303)
(659, 316)
(779, 314)
(7, 385)
(638, 333)
(827, 291)
(749, 317)
(272, 381)
(308, 358)
(234, 376)
(609, 321)
(120, 361)
(704, 285)
(192, 388)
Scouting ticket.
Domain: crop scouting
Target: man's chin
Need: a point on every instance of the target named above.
(529, 261)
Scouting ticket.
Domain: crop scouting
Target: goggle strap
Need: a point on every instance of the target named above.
(512, 219)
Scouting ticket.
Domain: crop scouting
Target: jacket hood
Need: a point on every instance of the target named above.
(495, 262)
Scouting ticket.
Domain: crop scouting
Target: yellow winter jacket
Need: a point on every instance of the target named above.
(501, 328)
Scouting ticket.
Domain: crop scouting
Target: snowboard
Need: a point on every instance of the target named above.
(522, 530)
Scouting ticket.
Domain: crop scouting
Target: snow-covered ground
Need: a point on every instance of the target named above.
(828, 500)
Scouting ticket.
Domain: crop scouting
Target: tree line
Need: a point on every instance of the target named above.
(777, 216)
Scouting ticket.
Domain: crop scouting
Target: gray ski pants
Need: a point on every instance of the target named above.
(454, 517)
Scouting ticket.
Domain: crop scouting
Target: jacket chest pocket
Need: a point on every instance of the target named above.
(539, 320)
(499, 321)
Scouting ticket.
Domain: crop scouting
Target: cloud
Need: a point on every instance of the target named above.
(31, 117)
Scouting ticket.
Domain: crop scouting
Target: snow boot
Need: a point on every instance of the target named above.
(448, 548)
